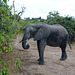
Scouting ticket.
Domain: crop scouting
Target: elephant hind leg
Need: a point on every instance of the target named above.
(64, 54)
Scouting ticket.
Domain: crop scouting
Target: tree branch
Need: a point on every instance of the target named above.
(20, 13)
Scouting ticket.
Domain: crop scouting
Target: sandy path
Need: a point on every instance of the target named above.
(52, 66)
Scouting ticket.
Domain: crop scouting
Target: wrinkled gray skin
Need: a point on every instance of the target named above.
(51, 35)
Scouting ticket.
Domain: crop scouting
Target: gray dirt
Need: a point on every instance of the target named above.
(52, 66)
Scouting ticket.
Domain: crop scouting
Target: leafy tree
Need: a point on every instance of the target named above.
(6, 28)
(8, 31)
(5, 1)
(67, 21)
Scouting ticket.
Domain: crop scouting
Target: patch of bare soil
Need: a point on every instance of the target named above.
(52, 66)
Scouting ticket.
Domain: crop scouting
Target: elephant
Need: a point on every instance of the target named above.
(52, 35)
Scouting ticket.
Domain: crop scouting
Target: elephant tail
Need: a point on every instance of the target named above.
(69, 43)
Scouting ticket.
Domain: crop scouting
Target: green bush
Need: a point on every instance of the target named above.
(8, 31)
(18, 63)
(67, 21)
(4, 71)
(7, 28)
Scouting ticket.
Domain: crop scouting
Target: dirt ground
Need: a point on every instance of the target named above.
(52, 66)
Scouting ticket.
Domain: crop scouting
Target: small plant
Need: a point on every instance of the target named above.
(4, 71)
(18, 63)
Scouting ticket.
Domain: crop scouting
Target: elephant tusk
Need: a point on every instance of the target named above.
(22, 41)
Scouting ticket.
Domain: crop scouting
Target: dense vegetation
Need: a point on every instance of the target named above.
(67, 21)
(9, 29)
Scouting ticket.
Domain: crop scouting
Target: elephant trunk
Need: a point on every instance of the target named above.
(24, 45)
(25, 37)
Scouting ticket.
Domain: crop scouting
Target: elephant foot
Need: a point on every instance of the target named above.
(41, 62)
(63, 58)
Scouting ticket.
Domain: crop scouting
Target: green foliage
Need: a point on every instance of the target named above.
(18, 63)
(8, 31)
(4, 71)
(5, 1)
(22, 24)
(67, 21)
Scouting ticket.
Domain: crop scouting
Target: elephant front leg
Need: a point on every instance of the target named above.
(41, 46)
(38, 49)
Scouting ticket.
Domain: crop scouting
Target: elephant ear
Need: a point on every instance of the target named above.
(43, 32)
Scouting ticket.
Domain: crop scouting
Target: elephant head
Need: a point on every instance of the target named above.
(36, 31)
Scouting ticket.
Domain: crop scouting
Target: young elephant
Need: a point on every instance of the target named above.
(51, 35)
